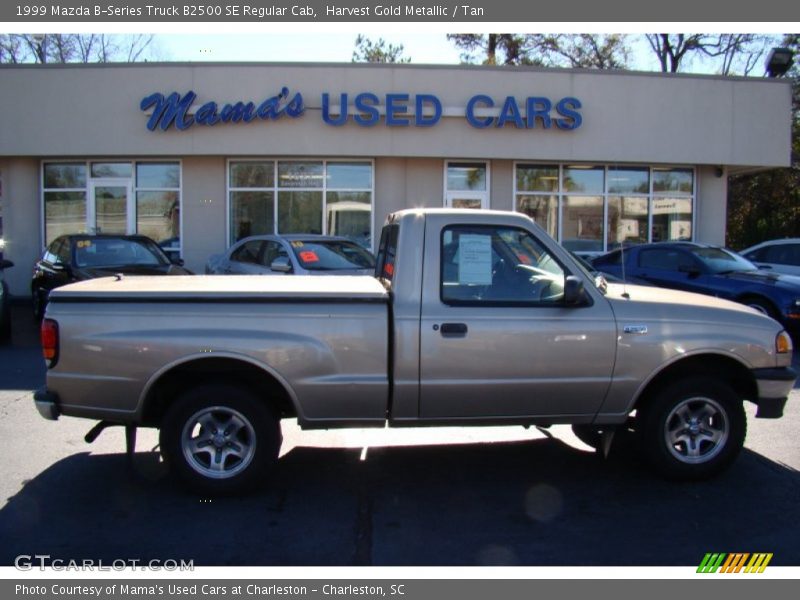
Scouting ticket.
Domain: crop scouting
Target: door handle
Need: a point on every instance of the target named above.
(453, 329)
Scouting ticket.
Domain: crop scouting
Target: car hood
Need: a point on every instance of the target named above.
(95, 272)
(764, 277)
(662, 304)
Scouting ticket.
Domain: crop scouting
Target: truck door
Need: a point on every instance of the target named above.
(496, 339)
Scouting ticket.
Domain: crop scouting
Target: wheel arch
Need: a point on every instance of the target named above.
(229, 368)
(718, 366)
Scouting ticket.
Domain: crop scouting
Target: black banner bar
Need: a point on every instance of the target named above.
(399, 11)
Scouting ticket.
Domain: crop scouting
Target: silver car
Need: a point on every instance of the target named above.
(293, 254)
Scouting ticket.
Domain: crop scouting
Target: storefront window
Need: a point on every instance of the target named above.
(122, 197)
(467, 185)
(64, 212)
(299, 212)
(593, 209)
(111, 170)
(158, 216)
(582, 229)
(537, 178)
(330, 197)
(158, 175)
(672, 219)
(252, 213)
(542, 209)
(584, 180)
(627, 220)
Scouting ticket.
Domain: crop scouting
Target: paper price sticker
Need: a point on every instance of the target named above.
(309, 256)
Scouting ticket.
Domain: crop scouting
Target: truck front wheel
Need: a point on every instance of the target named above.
(693, 429)
(220, 439)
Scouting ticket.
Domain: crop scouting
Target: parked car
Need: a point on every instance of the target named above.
(77, 257)
(708, 270)
(5, 311)
(781, 256)
(296, 254)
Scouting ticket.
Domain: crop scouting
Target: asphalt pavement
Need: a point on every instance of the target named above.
(438, 497)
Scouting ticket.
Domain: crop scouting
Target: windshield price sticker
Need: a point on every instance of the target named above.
(309, 256)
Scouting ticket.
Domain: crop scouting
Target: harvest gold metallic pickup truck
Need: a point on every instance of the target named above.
(472, 318)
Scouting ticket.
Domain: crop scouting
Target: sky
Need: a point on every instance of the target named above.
(276, 47)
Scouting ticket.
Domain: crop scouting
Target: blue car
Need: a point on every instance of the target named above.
(709, 270)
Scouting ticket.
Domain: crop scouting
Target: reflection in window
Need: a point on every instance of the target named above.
(252, 213)
(328, 197)
(627, 220)
(466, 176)
(299, 212)
(64, 213)
(542, 209)
(584, 180)
(158, 175)
(158, 215)
(672, 219)
(582, 229)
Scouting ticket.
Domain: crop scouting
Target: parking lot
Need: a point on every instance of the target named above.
(456, 496)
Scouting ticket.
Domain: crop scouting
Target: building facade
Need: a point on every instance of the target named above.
(197, 156)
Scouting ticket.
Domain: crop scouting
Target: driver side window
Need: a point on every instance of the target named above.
(499, 266)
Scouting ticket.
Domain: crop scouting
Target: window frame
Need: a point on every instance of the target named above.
(88, 188)
(276, 189)
(490, 303)
(485, 196)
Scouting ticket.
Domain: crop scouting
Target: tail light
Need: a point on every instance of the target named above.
(50, 342)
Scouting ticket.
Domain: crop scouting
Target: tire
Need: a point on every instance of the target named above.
(220, 439)
(763, 306)
(693, 429)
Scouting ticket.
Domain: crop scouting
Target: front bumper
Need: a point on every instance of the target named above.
(47, 404)
(774, 386)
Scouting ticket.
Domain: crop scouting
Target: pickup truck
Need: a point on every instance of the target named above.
(472, 318)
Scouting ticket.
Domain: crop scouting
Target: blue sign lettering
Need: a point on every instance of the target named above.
(365, 111)
(174, 110)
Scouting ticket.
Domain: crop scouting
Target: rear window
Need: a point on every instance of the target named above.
(332, 255)
(387, 251)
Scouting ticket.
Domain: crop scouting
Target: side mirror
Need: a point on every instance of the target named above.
(177, 261)
(5, 264)
(281, 265)
(574, 294)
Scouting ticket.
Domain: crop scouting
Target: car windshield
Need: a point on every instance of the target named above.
(117, 252)
(331, 255)
(721, 261)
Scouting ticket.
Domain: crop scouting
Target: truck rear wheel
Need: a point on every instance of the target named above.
(693, 429)
(220, 439)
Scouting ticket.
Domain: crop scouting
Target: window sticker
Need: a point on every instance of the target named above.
(84, 244)
(475, 259)
(297, 244)
(309, 256)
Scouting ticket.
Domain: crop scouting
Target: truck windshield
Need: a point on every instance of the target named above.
(332, 255)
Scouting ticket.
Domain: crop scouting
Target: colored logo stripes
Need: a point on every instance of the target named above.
(735, 562)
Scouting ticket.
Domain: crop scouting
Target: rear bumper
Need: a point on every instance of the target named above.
(774, 386)
(47, 404)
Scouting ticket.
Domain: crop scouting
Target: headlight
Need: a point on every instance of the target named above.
(796, 303)
(783, 343)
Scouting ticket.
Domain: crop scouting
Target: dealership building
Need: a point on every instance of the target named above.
(198, 156)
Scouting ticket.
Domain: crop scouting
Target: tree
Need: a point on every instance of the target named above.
(378, 52)
(586, 51)
(72, 48)
(732, 53)
(766, 205)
